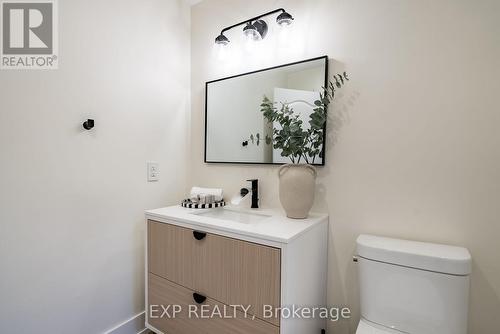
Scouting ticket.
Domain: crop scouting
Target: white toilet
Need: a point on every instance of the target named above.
(412, 287)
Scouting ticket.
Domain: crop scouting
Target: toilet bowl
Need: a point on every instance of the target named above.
(366, 327)
(412, 287)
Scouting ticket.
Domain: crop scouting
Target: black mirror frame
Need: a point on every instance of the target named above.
(323, 160)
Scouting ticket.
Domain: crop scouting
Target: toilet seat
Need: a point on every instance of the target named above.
(367, 327)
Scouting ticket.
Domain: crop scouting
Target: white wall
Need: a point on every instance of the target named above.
(413, 149)
(307, 79)
(71, 201)
(237, 102)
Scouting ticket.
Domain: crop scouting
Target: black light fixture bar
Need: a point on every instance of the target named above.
(256, 28)
(252, 19)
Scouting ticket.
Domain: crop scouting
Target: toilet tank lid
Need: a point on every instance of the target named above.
(414, 254)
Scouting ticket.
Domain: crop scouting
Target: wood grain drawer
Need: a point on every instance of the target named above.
(231, 271)
(164, 293)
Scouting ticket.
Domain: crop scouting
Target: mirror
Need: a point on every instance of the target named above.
(235, 127)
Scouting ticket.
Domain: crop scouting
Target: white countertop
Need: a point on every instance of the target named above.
(277, 227)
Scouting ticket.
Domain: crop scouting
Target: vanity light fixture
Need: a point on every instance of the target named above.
(255, 28)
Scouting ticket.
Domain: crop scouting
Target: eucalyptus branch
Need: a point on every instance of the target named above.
(294, 142)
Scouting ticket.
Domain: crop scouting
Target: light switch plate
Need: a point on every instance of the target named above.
(153, 171)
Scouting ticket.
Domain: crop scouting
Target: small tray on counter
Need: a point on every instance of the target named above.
(187, 203)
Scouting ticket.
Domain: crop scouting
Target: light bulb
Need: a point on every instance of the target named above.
(251, 33)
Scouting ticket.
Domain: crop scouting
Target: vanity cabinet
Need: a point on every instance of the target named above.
(227, 277)
(231, 271)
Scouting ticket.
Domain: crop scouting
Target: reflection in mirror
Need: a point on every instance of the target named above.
(236, 130)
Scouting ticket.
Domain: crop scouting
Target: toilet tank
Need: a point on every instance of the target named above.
(414, 287)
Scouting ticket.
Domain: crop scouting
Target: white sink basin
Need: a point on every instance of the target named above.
(234, 216)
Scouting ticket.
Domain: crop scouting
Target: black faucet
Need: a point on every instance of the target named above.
(255, 193)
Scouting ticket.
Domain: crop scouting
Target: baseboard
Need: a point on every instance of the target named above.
(134, 325)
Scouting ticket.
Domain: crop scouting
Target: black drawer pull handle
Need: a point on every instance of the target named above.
(199, 235)
(199, 298)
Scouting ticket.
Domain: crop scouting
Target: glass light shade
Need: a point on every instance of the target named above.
(284, 19)
(251, 33)
(221, 40)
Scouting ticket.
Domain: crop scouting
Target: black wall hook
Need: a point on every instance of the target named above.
(88, 124)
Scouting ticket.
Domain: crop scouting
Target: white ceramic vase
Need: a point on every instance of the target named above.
(297, 185)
